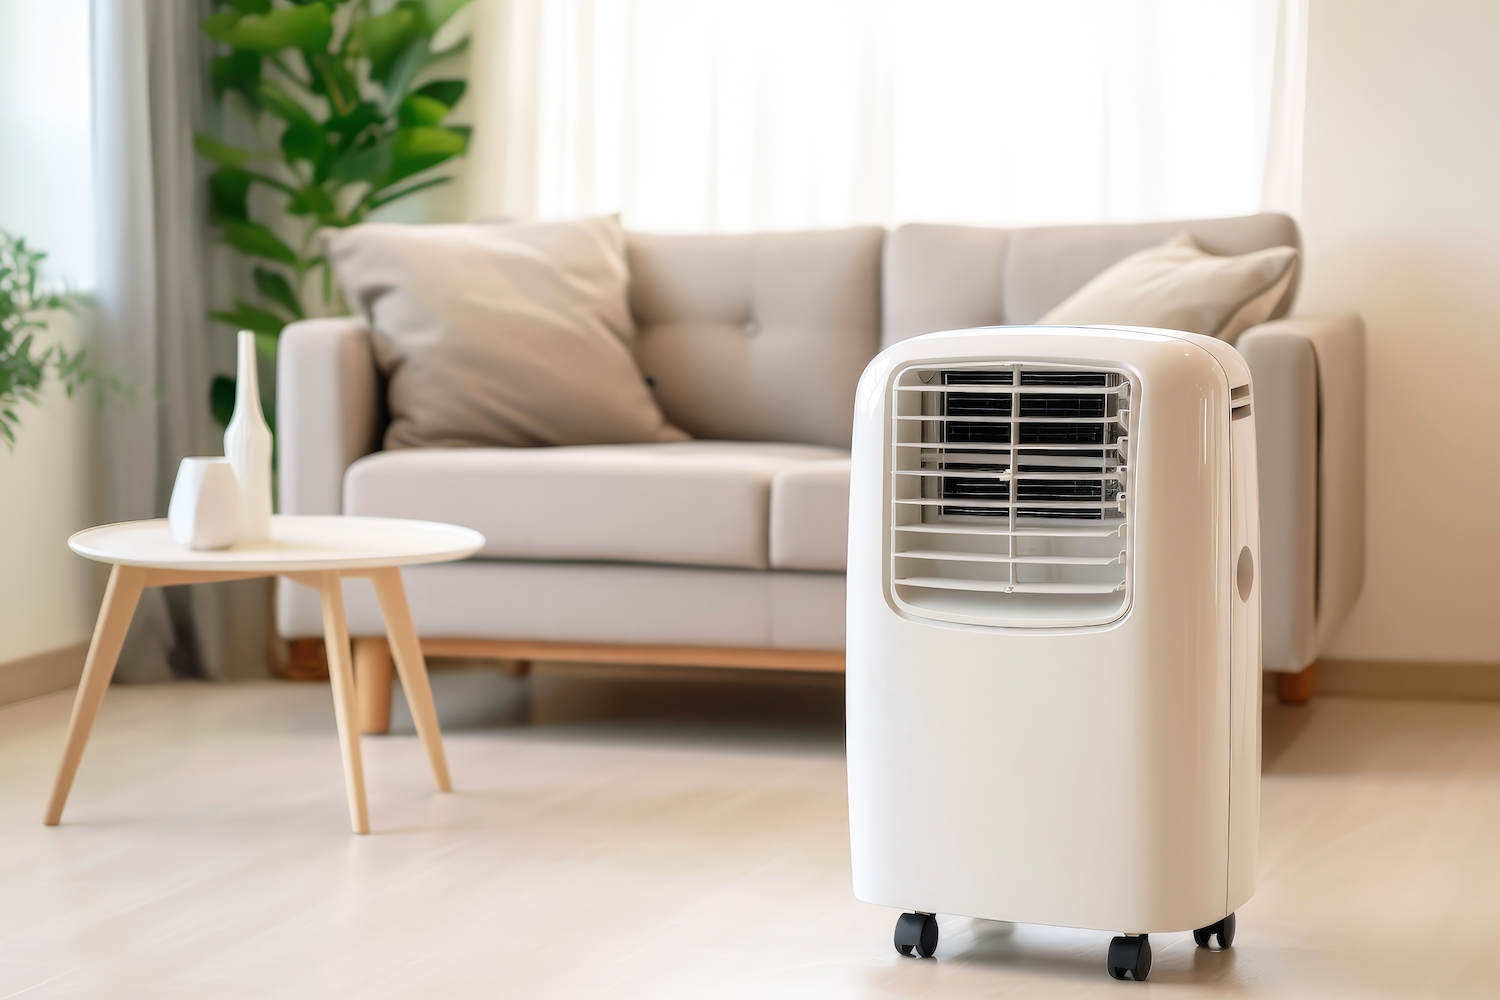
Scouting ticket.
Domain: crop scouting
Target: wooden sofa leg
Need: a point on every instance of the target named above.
(374, 672)
(1295, 689)
(515, 668)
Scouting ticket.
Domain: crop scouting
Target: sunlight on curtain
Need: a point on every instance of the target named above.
(46, 176)
(733, 115)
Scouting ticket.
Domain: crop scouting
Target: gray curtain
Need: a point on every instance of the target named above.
(149, 99)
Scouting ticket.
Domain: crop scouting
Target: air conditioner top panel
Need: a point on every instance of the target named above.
(1118, 343)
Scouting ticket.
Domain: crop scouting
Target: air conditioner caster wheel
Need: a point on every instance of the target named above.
(1224, 929)
(917, 931)
(1130, 954)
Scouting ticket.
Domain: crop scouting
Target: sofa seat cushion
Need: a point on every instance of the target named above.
(810, 516)
(690, 503)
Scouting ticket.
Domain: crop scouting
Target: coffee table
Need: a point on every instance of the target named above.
(317, 552)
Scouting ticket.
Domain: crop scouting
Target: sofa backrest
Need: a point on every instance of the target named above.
(757, 337)
(952, 277)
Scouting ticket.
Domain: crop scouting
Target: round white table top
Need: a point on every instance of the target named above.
(299, 543)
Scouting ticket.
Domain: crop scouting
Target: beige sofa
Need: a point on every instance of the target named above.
(729, 549)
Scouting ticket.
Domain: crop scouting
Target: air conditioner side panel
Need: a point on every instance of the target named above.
(1245, 700)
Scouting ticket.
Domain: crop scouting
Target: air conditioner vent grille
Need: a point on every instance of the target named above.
(1009, 484)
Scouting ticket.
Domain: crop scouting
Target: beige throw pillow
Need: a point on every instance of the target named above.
(509, 335)
(1178, 286)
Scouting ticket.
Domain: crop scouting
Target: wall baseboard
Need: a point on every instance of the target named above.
(1404, 679)
(41, 673)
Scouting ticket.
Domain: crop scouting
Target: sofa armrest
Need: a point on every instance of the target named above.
(1310, 427)
(1284, 369)
(328, 411)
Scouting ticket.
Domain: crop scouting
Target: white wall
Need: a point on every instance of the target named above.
(48, 596)
(47, 489)
(1401, 214)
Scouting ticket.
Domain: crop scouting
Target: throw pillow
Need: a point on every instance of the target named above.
(1179, 286)
(510, 335)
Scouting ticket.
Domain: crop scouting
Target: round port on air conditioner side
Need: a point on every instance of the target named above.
(1244, 573)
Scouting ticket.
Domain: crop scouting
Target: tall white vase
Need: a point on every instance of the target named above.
(247, 445)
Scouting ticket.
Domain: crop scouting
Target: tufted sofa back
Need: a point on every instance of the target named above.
(761, 336)
(952, 277)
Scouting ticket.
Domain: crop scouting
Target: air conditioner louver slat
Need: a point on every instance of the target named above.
(1000, 558)
(940, 583)
(1006, 486)
(1062, 532)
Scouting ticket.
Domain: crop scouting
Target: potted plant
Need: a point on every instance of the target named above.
(25, 365)
(336, 85)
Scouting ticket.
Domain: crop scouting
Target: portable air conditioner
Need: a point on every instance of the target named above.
(1054, 634)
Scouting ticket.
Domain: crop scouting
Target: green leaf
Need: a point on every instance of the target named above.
(413, 59)
(386, 199)
(228, 189)
(366, 163)
(237, 71)
(256, 240)
(283, 105)
(219, 152)
(251, 6)
(447, 91)
(303, 142)
(269, 407)
(220, 27)
(416, 149)
(439, 11)
(265, 345)
(367, 113)
(334, 79)
(420, 110)
(385, 36)
(275, 287)
(221, 399)
(244, 316)
(315, 201)
(307, 27)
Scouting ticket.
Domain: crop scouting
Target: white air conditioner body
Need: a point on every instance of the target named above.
(1053, 693)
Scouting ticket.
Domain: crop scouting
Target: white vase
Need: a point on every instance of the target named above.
(247, 445)
(205, 508)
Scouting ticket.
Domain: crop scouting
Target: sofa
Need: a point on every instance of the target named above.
(729, 549)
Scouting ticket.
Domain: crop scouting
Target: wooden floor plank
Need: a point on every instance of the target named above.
(703, 851)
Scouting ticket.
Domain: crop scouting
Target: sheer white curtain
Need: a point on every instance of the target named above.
(694, 115)
(148, 95)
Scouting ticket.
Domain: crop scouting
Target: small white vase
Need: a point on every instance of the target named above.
(247, 445)
(205, 508)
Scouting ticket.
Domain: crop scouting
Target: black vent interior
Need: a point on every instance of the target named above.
(1067, 419)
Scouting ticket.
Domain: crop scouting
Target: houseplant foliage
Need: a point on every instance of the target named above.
(335, 81)
(23, 307)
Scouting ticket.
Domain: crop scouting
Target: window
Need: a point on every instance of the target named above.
(46, 174)
(735, 115)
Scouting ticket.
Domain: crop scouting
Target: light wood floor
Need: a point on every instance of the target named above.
(598, 852)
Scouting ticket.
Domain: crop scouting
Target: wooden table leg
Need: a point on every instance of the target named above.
(373, 674)
(407, 650)
(120, 599)
(341, 674)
